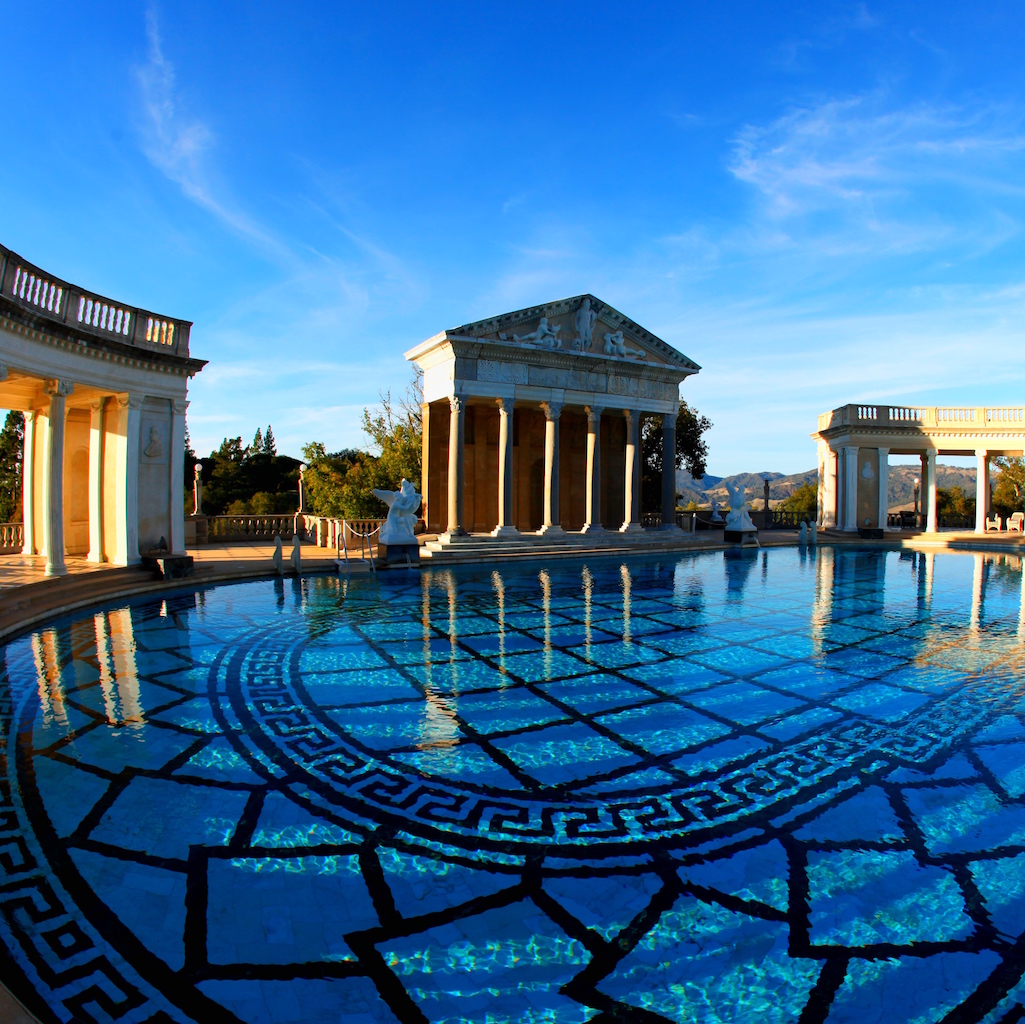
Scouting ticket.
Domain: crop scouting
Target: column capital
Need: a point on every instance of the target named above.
(884, 451)
(982, 453)
(552, 410)
(58, 388)
(97, 405)
(131, 400)
(456, 403)
(505, 405)
(593, 414)
(180, 405)
(631, 414)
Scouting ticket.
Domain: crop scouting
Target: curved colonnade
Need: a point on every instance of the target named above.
(103, 388)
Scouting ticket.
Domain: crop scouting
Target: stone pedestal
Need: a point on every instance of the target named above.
(398, 554)
(741, 537)
(170, 567)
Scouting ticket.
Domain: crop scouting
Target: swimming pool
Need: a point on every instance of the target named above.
(721, 787)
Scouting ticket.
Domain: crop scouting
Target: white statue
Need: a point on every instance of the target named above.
(716, 518)
(814, 536)
(737, 518)
(802, 534)
(615, 345)
(278, 557)
(584, 322)
(546, 335)
(403, 505)
(197, 490)
(296, 556)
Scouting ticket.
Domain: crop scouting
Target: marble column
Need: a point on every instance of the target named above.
(669, 471)
(850, 489)
(929, 491)
(592, 512)
(884, 486)
(96, 481)
(505, 527)
(828, 498)
(456, 488)
(53, 477)
(552, 512)
(28, 482)
(632, 477)
(126, 475)
(177, 538)
(981, 489)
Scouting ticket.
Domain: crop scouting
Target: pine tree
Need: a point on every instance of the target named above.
(12, 446)
(256, 448)
(270, 446)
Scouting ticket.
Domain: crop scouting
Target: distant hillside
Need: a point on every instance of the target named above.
(901, 484)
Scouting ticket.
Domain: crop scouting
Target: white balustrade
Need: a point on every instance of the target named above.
(905, 414)
(104, 315)
(1006, 415)
(37, 291)
(159, 332)
(12, 536)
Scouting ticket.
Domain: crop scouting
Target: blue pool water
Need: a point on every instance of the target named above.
(763, 787)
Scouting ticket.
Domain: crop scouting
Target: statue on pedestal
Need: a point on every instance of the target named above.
(737, 518)
(403, 505)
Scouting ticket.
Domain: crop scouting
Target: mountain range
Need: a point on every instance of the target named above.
(901, 484)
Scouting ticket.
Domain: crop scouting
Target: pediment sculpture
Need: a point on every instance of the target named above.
(546, 335)
(615, 345)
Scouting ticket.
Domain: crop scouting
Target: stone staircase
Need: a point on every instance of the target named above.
(482, 547)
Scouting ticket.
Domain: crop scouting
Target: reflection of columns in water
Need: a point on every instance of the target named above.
(588, 583)
(978, 589)
(48, 676)
(624, 573)
(927, 575)
(822, 605)
(119, 680)
(1021, 605)
(499, 584)
(546, 611)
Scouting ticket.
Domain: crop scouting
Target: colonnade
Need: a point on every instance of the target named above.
(551, 524)
(54, 481)
(838, 487)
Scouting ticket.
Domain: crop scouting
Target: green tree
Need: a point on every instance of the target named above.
(691, 452)
(343, 483)
(1009, 486)
(256, 448)
(804, 501)
(954, 501)
(12, 447)
(241, 481)
(270, 446)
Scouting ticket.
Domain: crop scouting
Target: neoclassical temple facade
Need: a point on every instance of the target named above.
(856, 441)
(103, 389)
(531, 420)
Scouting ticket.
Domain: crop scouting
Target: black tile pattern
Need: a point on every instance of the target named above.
(725, 788)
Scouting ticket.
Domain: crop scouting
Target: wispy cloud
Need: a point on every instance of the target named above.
(884, 169)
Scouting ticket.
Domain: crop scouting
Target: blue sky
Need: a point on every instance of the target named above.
(817, 202)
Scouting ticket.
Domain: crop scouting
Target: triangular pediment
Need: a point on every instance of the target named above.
(583, 325)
